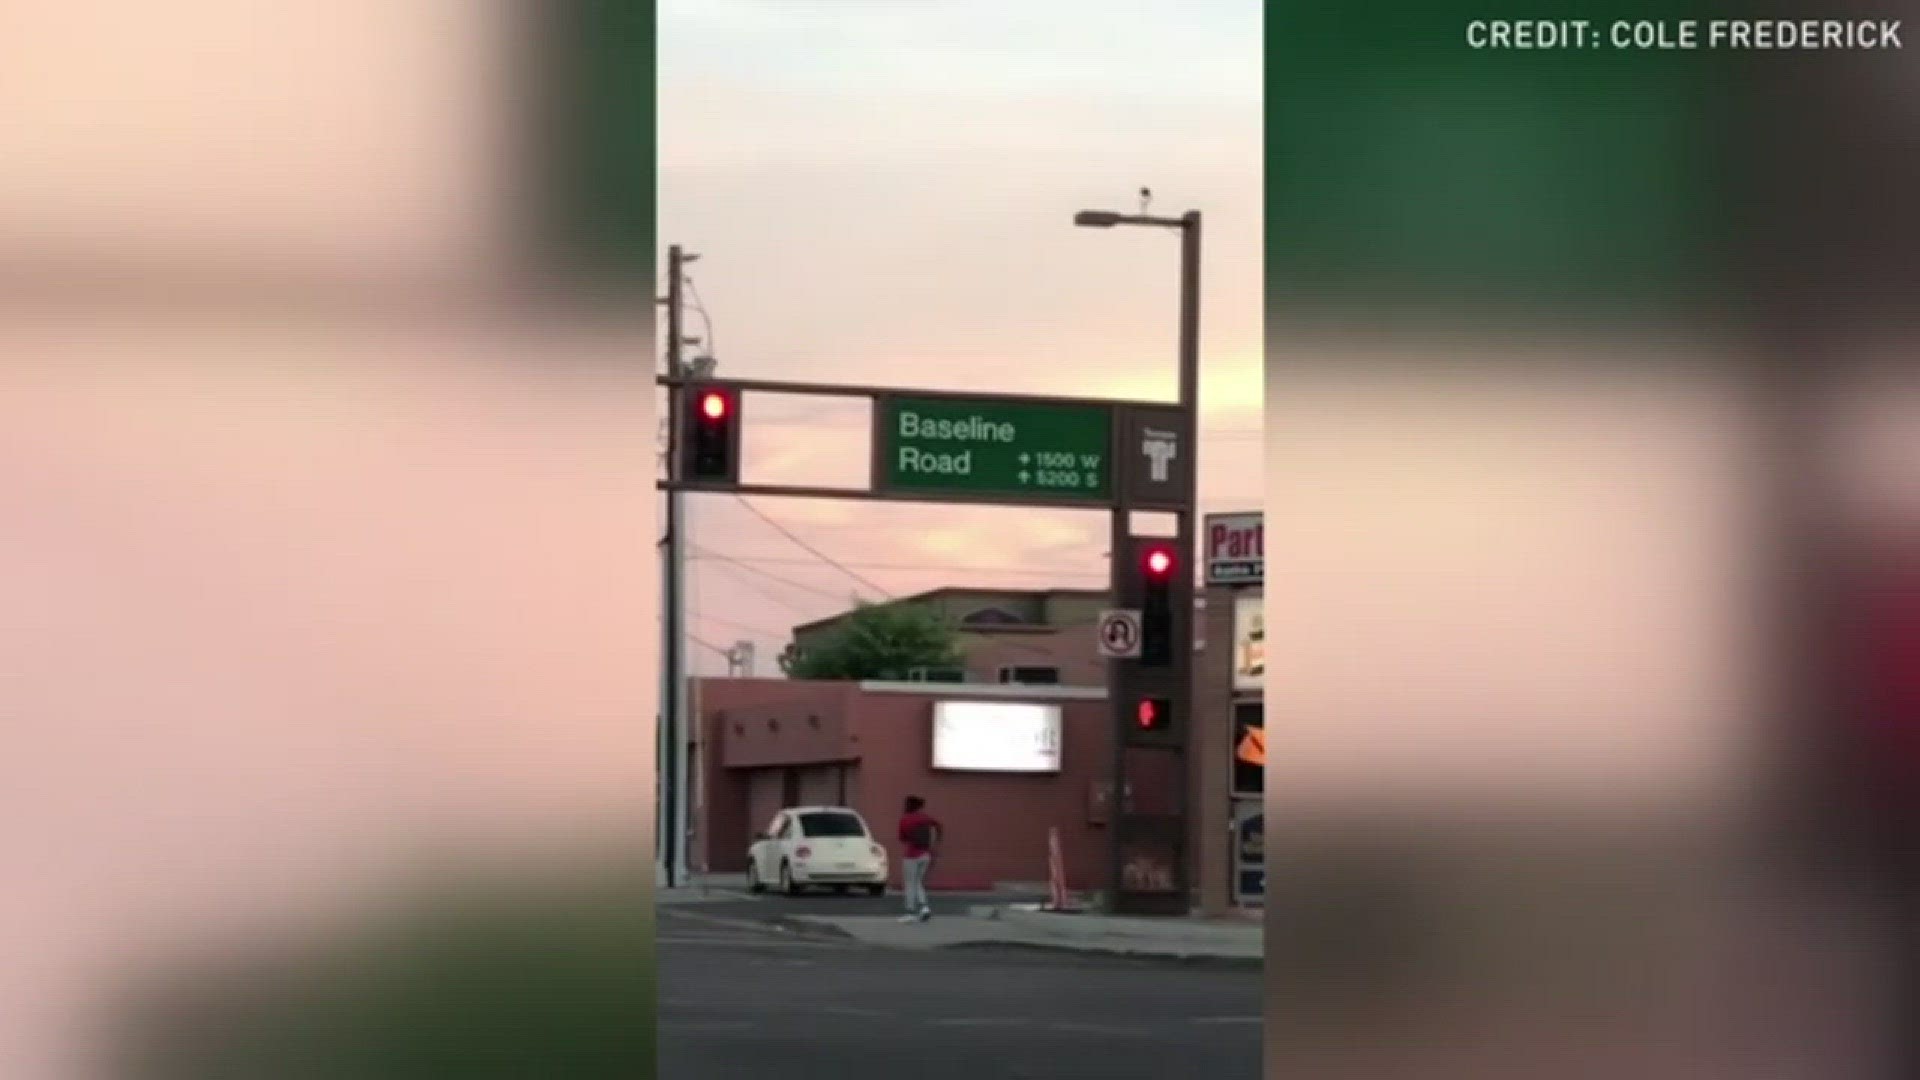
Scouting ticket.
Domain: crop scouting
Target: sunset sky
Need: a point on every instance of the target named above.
(882, 193)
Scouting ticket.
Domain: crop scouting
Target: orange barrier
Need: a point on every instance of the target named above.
(1056, 872)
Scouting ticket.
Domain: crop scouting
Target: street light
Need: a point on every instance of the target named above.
(1189, 226)
(1164, 582)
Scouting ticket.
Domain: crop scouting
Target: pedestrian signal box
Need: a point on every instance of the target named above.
(1153, 714)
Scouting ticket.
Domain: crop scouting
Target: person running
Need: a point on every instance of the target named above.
(919, 836)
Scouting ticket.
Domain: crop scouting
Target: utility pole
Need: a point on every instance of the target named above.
(671, 771)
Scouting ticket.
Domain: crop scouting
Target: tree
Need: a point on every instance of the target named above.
(882, 642)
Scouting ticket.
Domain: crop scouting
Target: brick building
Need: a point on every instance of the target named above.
(769, 743)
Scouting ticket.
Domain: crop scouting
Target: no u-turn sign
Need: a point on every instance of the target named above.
(1119, 634)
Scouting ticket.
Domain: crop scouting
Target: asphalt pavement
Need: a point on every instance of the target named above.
(739, 997)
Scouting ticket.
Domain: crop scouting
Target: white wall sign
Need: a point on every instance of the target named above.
(996, 736)
(1249, 641)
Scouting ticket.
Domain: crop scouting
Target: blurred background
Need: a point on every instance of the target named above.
(327, 440)
(1591, 426)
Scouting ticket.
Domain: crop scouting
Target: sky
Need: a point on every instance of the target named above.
(881, 193)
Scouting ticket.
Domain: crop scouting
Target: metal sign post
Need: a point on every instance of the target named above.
(672, 741)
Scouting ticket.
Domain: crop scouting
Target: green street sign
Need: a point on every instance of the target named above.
(990, 447)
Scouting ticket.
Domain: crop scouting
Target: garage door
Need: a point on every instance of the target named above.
(764, 798)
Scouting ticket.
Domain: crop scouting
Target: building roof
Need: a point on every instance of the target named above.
(958, 592)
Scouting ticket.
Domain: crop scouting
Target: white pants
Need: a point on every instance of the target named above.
(915, 873)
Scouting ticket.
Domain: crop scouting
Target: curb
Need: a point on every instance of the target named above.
(784, 923)
(1200, 960)
(700, 892)
(715, 920)
(804, 927)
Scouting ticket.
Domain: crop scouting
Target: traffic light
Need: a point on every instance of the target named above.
(1153, 714)
(710, 435)
(1159, 567)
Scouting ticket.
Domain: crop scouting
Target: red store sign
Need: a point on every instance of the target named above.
(1233, 549)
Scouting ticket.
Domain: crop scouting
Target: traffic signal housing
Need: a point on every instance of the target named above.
(710, 435)
(1159, 572)
(1153, 699)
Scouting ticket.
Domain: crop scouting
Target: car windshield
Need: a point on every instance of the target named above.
(831, 824)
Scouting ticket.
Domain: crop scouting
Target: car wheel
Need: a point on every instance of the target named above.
(787, 885)
(754, 884)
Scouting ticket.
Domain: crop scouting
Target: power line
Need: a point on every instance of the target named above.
(762, 593)
(1008, 642)
(835, 597)
(807, 415)
(743, 627)
(700, 306)
(823, 556)
(710, 645)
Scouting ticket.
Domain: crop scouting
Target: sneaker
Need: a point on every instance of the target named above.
(923, 914)
(911, 917)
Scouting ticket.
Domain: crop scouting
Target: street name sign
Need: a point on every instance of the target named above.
(1119, 634)
(989, 447)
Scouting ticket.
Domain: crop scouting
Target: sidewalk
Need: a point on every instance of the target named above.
(1236, 941)
(704, 887)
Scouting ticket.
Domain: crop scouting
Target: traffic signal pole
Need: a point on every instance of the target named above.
(1163, 672)
(671, 770)
(1188, 547)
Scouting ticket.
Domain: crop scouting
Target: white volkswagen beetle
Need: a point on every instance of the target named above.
(806, 846)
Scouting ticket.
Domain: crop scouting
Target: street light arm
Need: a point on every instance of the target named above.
(1107, 219)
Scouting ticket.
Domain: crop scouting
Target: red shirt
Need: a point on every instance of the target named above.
(911, 826)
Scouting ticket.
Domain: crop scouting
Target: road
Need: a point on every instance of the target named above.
(745, 999)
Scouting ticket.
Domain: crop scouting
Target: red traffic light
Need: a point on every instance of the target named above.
(1151, 713)
(710, 434)
(1159, 562)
